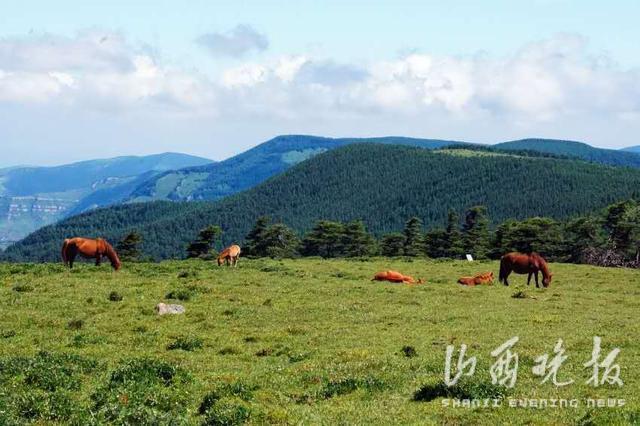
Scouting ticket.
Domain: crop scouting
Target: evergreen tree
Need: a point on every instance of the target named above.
(476, 232)
(454, 246)
(580, 234)
(356, 241)
(325, 240)
(279, 241)
(255, 241)
(128, 247)
(542, 235)
(437, 243)
(203, 246)
(414, 241)
(622, 223)
(392, 244)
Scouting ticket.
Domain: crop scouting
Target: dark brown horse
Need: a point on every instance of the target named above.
(89, 249)
(522, 263)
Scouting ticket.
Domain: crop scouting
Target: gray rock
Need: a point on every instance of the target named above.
(163, 309)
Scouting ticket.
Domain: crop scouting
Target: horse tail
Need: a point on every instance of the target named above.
(502, 277)
(65, 247)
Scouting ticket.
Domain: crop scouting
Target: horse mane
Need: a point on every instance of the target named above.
(111, 254)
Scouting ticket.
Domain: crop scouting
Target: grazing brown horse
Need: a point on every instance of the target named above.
(89, 249)
(522, 263)
(395, 277)
(229, 256)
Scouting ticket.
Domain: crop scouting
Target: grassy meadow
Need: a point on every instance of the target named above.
(306, 341)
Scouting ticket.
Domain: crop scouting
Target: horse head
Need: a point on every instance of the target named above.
(111, 254)
(546, 280)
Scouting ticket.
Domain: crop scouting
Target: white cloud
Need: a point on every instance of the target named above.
(235, 43)
(554, 85)
(96, 70)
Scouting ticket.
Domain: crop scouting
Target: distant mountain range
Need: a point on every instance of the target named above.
(576, 149)
(243, 171)
(31, 197)
(632, 149)
(215, 181)
(383, 185)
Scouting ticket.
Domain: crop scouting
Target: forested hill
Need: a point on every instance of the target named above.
(383, 185)
(624, 158)
(245, 170)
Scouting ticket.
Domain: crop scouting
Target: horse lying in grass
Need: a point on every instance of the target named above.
(230, 256)
(89, 249)
(479, 279)
(522, 263)
(395, 277)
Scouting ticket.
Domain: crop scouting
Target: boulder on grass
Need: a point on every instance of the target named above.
(164, 308)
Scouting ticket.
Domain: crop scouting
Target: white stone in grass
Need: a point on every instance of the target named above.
(163, 309)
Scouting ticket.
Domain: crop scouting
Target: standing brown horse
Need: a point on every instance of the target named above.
(230, 256)
(89, 249)
(522, 263)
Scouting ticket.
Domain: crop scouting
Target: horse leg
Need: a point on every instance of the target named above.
(98, 259)
(71, 257)
(506, 278)
(529, 278)
(537, 285)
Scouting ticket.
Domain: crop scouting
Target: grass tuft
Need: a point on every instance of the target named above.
(186, 344)
(462, 390)
(75, 324)
(114, 296)
(22, 288)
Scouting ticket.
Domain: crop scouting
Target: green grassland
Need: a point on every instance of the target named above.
(306, 341)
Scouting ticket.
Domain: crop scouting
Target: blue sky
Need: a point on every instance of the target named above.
(95, 79)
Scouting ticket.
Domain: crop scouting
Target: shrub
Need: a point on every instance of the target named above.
(228, 412)
(237, 389)
(146, 371)
(143, 392)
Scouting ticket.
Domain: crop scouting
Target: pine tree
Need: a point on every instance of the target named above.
(414, 241)
(392, 244)
(324, 240)
(476, 232)
(203, 246)
(580, 234)
(128, 247)
(356, 241)
(254, 242)
(437, 243)
(279, 241)
(454, 246)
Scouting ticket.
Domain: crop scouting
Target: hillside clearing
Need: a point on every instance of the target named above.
(299, 341)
